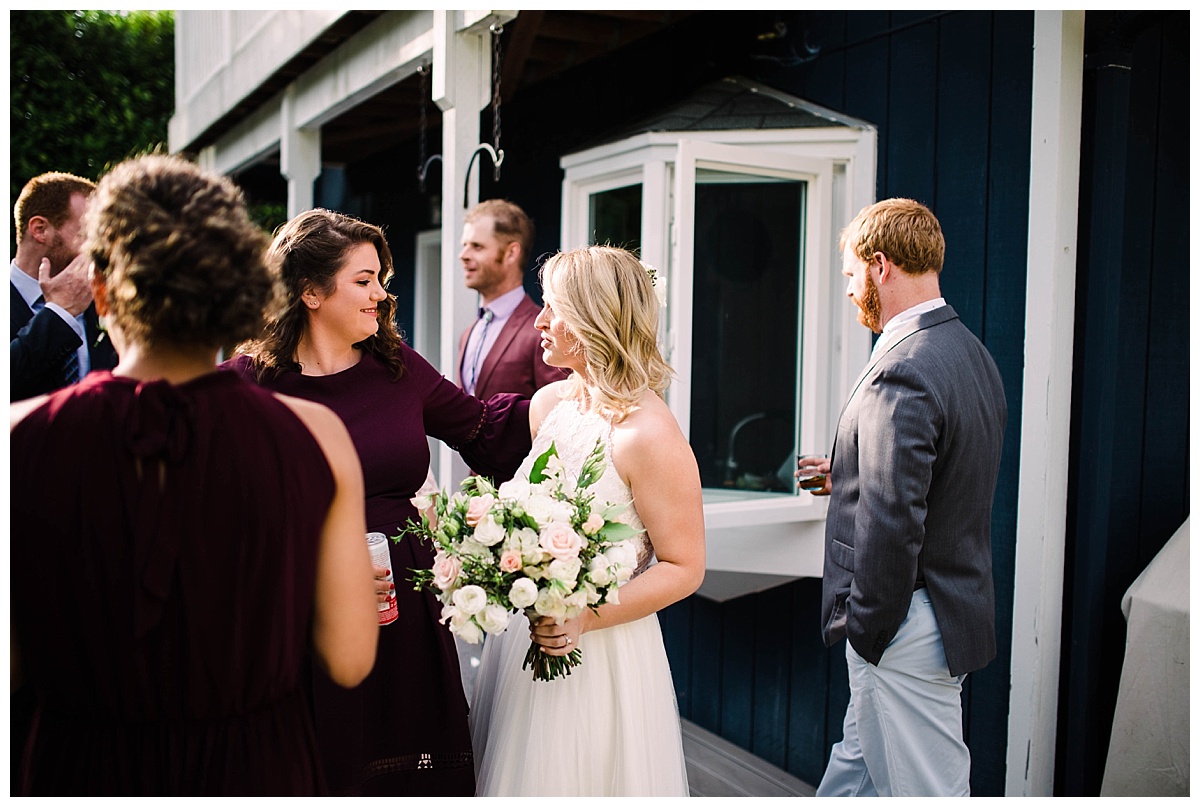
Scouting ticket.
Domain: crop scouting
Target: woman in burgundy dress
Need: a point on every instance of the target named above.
(211, 532)
(404, 730)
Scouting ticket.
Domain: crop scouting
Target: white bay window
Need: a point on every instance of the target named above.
(742, 226)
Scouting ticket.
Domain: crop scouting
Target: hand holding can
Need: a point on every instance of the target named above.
(381, 558)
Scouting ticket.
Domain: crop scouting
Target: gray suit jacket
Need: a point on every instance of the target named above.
(913, 469)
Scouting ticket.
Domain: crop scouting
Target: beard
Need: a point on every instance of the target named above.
(869, 310)
(59, 255)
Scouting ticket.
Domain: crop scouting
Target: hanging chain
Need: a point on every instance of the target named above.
(423, 72)
(496, 29)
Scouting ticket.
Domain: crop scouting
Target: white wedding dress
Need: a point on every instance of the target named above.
(611, 727)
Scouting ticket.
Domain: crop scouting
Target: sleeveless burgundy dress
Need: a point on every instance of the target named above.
(163, 550)
(404, 730)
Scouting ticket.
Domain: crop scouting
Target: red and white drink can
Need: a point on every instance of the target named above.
(380, 556)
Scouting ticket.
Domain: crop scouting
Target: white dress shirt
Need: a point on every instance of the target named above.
(908, 314)
(485, 332)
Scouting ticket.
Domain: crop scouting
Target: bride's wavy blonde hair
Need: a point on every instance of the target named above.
(606, 298)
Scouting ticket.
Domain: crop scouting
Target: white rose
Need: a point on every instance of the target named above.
(622, 554)
(530, 544)
(575, 603)
(550, 602)
(473, 548)
(598, 570)
(564, 570)
(493, 618)
(523, 593)
(488, 532)
(467, 630)
(545, 509)
(515, 490)
(470, 600)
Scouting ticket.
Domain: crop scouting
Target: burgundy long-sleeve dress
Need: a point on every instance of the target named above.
(404, 730)
(164, 553)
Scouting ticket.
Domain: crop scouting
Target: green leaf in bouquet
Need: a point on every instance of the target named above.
(614, 532)
(537, 473)
(612, 510)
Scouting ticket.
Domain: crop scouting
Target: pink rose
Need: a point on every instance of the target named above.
(446, 569)
(560, 540)
(593, 524)
(510, 561)
(478, 507)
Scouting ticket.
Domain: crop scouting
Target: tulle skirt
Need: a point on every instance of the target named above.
(610, 728)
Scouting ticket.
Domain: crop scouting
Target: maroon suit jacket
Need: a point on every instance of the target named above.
(514, 364)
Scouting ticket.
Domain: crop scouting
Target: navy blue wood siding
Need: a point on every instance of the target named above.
(950, 95)
(1129, 476)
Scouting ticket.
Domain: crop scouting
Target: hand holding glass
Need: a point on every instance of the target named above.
(812, 473)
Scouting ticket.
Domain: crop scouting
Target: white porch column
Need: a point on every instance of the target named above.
(1046, 401)
(299, 156)
(461, 87)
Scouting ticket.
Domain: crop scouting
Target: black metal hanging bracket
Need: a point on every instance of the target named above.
(423, 71)
(497, 161)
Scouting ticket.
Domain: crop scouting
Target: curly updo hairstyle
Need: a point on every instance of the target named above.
(182, 262)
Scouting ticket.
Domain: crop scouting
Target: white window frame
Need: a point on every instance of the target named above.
(748, 532)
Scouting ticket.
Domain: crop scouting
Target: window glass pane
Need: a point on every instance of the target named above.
(745, 339)
(615, 217)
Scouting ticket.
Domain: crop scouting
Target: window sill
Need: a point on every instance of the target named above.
(756, 539)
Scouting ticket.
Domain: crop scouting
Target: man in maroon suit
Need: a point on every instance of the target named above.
(501, 351)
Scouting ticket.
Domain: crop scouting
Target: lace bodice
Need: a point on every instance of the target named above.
(574, 434)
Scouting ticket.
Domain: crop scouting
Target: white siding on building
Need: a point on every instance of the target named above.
(222, 56)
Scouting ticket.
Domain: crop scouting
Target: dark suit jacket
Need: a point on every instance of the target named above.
(514, 364)
(913, 470)
(40, 344)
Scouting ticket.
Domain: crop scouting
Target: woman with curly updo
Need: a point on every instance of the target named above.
(404, 731)
(211, 531)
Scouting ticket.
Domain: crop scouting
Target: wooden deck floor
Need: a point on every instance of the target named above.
(715, 767)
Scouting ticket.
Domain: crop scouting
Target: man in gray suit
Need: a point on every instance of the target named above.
(908, 557)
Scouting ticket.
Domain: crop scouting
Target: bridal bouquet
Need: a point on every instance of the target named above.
(541, 544)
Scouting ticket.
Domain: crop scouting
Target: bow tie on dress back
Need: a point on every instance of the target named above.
(159, 433)
(160, 422)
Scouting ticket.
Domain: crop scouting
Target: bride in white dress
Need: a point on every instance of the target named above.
(611, 727)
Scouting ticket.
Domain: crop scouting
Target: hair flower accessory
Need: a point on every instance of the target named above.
(658, 282)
